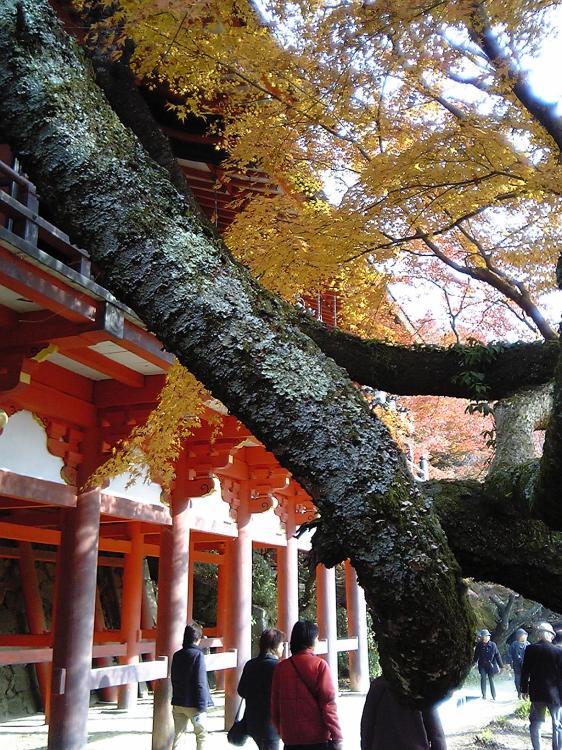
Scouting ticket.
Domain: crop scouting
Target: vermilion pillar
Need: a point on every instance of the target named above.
(357, 627)
(75, 605)
(326, 611)
(171, 617)
(34, 612)
(190, 576)
(110, 693)
(288, 580)
(238, 632)
(222, 614)
(133, 580)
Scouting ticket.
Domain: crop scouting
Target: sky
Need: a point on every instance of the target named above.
(545, 73)
(545, 76)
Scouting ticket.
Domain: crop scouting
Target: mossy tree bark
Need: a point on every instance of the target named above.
(495, 539)
(240, 341)
(249, 348)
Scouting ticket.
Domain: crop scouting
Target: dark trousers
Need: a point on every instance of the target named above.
(264, 743)
(490, 675)
(316, 746)
(517, 680)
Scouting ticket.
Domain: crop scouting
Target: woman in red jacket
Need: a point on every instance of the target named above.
(303, 706)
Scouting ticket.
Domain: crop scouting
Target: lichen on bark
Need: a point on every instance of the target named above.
(154, 255)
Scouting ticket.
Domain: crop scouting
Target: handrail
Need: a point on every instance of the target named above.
(16, 177)
(25, 211)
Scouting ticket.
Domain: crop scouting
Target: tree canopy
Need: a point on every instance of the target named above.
(351, 88)
(420, 113)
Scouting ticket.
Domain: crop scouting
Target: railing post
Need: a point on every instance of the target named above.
(31, 230)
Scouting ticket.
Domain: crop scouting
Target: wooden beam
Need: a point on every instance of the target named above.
(108, 394)
(33, 330)
(8, 317)
(207, 557)
(346, 644)
(106, 366)
(222, 660)
(25, 640)
(145, 345)
(21, 533)
(134, 510)
(183, 135)
(114, 545)
(25, 655)
(42, 288)
(127, 673)
(59, 378)
(50, 402)
(37, 490)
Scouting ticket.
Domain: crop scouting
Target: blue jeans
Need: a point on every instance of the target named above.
(536, 719)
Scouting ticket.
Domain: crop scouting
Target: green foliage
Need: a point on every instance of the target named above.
(374, 663)
(523, 709)
(500, 723)
(485, 738)
(205, 592)
(307, 588)
(264, 583)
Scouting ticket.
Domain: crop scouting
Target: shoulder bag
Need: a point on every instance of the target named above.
(238, 732)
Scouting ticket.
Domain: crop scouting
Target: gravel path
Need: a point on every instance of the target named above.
(465, 725)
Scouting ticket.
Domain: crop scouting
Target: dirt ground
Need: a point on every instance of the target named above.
(470, 724)
(506, 733)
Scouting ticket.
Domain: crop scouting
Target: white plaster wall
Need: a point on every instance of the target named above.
(267, 526)
(146, 493)
(23, 449)
(212, 505)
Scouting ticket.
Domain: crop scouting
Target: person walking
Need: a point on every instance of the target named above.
(255, 688)
(190, 689)
(541, 680)
(515, 654)
(489, 661)
(387, 724)
(303, 697)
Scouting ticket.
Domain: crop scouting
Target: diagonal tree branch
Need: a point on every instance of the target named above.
(241, 343)
(541, 111)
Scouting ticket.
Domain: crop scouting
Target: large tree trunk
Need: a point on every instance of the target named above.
(155, 256)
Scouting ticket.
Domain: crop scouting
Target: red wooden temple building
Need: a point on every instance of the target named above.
(77, 370)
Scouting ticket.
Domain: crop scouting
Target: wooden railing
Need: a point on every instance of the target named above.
(19, 217)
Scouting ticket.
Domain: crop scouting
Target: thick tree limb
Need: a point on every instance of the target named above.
(496, 541)
(434, 370)
(239, 341)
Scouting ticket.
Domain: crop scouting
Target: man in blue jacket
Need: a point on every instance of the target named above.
(489, 661)
(190, 688)
(515, 654)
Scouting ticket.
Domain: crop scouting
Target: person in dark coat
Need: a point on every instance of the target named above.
(255, 688)
(190, 688)
(489, 661)
(386, 724)
(515, 654)
(541, 679)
